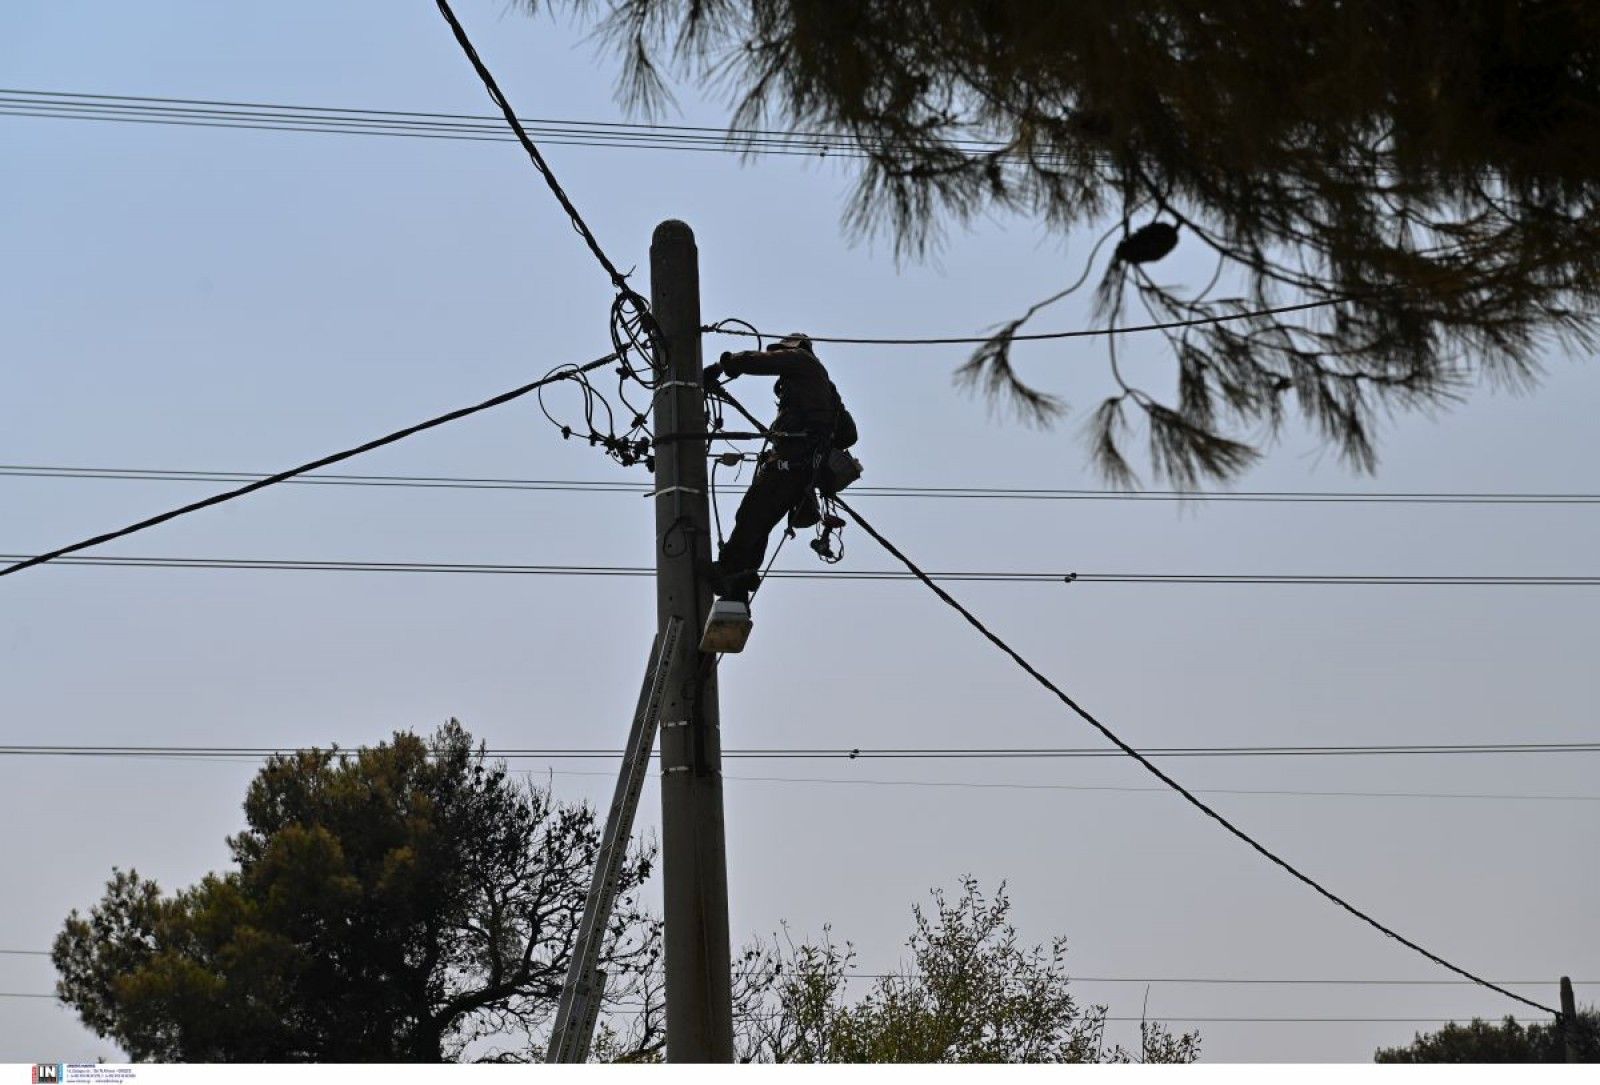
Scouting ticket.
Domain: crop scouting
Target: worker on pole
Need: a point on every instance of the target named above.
(812, 424)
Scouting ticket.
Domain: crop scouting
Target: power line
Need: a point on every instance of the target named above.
(471, 127)
(818, 753)
(1217, 980)
(1208, 980)
(255, 758)
(567, 372)
(1159, 774)
(202, 112)
(557, 141)
(1153, 1017)
(618, 279)
(1167, 325)
(1271, 792)
(1305, 1020)
(561, 136)
(990, 493)
(1317, 981)
(970, 576)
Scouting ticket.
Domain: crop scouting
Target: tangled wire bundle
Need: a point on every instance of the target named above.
(634, 335)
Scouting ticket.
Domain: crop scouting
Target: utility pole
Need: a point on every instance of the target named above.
(693, 845)
(1569, 1019)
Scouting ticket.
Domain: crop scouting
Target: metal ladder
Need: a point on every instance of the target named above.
(585, 984)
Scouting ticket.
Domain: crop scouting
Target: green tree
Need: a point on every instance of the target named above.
(1509, 1041)
(1435, 164)
(403, 903)
(969, 993)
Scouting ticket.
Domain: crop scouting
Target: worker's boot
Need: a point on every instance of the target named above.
(735, 586)
(739, 586)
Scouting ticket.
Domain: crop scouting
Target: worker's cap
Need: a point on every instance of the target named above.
(792, 341)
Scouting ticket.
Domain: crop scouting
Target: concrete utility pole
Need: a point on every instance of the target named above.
(693, 847)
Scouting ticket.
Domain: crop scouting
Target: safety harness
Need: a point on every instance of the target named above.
(831, 468)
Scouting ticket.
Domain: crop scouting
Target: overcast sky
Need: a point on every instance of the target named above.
(204, 299)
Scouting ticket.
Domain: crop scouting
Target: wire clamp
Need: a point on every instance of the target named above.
(673, 723)
(676, 489)
(673, 769)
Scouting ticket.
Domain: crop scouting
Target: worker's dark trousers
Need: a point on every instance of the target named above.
(773, 492)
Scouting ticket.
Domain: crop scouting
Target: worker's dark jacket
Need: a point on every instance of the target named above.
(809, 408)
(808, 403)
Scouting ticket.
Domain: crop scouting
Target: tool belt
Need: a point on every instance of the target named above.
(833, 470)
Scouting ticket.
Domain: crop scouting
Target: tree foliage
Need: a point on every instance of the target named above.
(403, 903)
(969, 993)
(1509, 1041)
(1431, 166)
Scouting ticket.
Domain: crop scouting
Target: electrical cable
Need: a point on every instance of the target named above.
(627, 448)
(1224, 980)
(716, 505)
(618, 280)
(195, 112)
(788, 533)
(1191, 322)
(1015, 786)
(983, 493)
(548, 137)
(21, 562)
(633, 328)
(1162, 1017)
(1169, 781)
(845, 753)
(862, 575)
(982, 785)
(268, 116)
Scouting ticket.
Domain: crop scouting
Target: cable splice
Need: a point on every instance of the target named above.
(1154, 770)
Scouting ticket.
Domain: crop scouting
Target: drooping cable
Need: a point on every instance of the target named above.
(630, 445)
(719, 328)
(1169, 781)
(284, 476)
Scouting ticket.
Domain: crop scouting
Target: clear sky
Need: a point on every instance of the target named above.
(193, 299)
